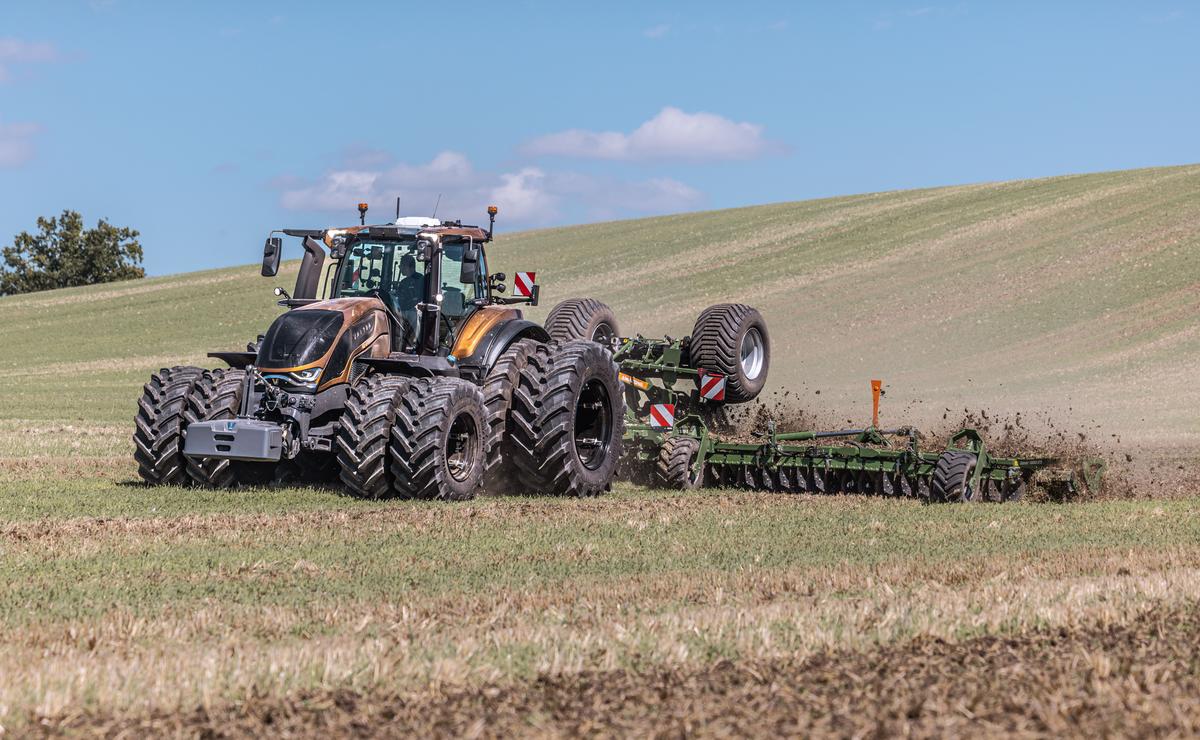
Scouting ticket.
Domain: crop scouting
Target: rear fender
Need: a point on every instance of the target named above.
(499, 338)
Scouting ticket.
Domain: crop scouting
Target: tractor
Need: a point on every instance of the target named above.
(399, 368)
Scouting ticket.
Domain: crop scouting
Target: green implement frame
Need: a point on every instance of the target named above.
(656, 372)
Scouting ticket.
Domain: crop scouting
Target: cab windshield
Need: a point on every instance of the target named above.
(392, 270)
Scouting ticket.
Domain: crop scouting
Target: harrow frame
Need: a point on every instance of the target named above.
(863, 461)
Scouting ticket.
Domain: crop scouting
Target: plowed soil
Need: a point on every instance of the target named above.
(1137, 678)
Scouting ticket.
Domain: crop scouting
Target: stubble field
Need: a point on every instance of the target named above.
(128, 609)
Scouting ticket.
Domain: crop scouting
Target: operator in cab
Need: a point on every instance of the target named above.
(407, 293)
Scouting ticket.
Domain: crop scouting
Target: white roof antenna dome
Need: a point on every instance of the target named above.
(417, 222)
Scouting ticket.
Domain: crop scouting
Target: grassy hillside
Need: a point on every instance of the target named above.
(1072, 296)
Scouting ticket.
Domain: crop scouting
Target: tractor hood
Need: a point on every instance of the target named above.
(312, 347)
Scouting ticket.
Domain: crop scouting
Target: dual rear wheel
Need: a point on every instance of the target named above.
(548, 419)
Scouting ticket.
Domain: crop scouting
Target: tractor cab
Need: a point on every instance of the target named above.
(413, 291)
(420, 276)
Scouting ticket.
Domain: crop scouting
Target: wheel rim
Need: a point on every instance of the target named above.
(593, 424)
(967, 490)
(603, 334)
(462, 447)
(752, 353)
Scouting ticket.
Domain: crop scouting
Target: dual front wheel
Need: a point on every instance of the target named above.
(413, 438)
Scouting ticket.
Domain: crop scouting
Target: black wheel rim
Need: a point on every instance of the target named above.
(462, 447)
(603, 334)
(593, 424)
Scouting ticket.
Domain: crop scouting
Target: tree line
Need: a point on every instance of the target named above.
(63, 254)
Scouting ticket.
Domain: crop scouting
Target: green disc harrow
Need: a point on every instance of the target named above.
(671, 437)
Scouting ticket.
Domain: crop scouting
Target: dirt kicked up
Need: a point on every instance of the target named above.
(1132, 470)
(1141, 677)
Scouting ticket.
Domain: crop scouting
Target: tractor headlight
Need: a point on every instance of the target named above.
(297, 378)
(306, 376)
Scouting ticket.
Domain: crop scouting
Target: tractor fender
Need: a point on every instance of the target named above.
(235, 359)
(413, 366)
(498, 338)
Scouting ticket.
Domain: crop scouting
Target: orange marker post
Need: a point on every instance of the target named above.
(876, 389)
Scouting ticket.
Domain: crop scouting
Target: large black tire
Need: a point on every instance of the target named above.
(952, 477)
(583, 318)
(439, 440)
(567, 419)
(501, 475)
(365, 433)
(731, 339)
(674, 468)
(218, 395)
(160, 424)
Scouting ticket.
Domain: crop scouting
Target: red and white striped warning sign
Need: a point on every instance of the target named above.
(523, 283)
(712, 386)
(662, 415)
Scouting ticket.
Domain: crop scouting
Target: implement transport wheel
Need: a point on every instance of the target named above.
(218, 395)
(362, 441)
(583, 318)
(160, 424)
(731, 339)
(567, 418)
(501, 474)
(439, 440)
(952, 477)
(676, 464)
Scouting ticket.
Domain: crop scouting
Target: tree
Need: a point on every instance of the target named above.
(64, 254)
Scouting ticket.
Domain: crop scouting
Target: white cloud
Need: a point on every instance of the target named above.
(528, 196)
(19, 51)
(525, 196)
(16, 143)
(672, 134)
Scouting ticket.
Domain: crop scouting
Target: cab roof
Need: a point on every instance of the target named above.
(385, 231)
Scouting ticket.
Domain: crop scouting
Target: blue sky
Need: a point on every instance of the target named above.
(205, 125)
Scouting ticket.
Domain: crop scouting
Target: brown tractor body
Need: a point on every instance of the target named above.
(401, 378)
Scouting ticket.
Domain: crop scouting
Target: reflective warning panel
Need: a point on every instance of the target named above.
(712, 386)
(662, 415)
(523, 283)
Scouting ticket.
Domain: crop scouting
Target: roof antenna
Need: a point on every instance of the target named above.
(397, 207)
(435, 206)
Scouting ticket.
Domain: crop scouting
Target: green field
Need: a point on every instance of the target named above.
(1071, 301)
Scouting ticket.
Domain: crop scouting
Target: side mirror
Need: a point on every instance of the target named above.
(272, 252)
(468, 274)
